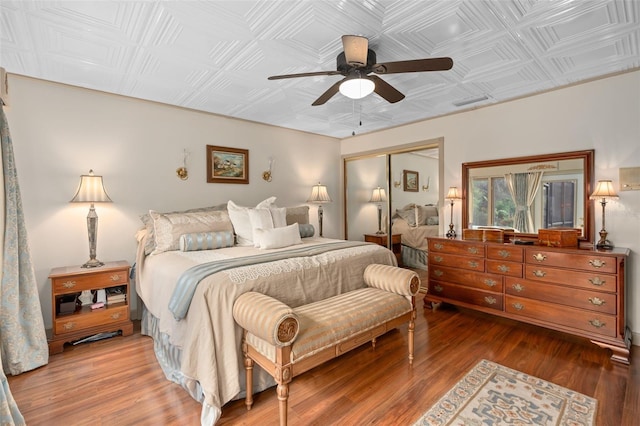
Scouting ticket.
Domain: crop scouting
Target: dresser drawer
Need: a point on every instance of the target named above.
(586, 262)
(588, 280)
(466, 278)
(505, 252)
(90, 281)
(505, 268)
(78, 321)
(592, 300)
(587, 321)
(454, 292)
(467, 248)
(456, 261)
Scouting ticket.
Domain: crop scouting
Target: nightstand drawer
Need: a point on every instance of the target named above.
(85, 320)
(90, 282)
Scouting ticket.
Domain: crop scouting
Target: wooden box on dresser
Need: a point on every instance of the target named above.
(85, 321)
(577, 291)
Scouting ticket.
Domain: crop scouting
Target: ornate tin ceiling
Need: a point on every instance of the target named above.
(216, 56)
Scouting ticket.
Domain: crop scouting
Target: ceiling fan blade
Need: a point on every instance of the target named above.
(328, 94)
(417, 65)
(355, 49)
(385, 90)
(304, 74)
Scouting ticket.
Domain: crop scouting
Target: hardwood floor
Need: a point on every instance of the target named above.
(119, 382)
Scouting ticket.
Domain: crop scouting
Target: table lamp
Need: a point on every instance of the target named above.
(452, 195)
(319, 196)
(91, 190)
(379, 197)
(604, 191)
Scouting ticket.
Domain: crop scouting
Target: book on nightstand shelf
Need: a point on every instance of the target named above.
(116, 295)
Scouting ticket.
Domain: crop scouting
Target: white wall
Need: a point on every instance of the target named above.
(603, 115)
(59, 132)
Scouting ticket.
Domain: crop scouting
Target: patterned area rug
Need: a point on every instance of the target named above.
(491, 394)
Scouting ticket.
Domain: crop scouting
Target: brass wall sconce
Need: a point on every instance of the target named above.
(266, 175)
(182, 172)
(426, 187)
(397, 183)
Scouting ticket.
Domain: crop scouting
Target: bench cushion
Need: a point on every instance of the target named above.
(331, 321)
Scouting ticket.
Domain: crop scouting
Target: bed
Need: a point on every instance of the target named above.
(415, 223)
(196, 341)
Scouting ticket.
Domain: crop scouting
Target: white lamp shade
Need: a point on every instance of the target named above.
(357, 88)
(378, 195)
(319, 194)
(91, 190)
(453, 193)
(604, 189)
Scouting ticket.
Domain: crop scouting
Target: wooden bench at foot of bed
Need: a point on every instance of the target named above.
(286, 341)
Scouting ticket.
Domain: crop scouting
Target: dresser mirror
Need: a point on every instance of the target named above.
(525, 194)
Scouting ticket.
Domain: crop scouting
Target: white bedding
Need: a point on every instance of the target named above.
(208, 339)
(414, 236)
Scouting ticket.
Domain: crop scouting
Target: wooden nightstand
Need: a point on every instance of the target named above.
(83, 322)
(381, 239)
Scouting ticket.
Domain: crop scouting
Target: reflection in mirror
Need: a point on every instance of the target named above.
(530, 193)
(410, 179)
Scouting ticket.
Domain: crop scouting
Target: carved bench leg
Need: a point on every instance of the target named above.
(412, 327)
(283, 395)
(248, 366)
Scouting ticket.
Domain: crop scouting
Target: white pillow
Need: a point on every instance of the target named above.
(278, 237)
(241, 223)
(266, 219)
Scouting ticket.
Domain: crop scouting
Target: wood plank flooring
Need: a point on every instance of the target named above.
(119, 382)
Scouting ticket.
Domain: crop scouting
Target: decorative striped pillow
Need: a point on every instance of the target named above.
(206, 240)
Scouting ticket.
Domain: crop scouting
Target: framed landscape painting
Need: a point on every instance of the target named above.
(410, 181)
(227, 165)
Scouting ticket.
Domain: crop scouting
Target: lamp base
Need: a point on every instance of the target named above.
(604, 244)
(451, 233)
(92, 263)
(380, 232)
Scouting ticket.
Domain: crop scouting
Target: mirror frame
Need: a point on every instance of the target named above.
(586, 156)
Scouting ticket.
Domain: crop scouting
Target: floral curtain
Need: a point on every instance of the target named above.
(23, 342)
(523, 188)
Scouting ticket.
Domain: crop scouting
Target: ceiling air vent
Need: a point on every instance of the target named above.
(469, 101)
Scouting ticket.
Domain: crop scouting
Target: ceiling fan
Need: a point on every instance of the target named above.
(357, 63)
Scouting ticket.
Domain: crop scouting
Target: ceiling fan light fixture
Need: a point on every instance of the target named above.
(357, 88)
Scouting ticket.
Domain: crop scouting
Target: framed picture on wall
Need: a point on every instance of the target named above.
(410, 180)
(227, 165)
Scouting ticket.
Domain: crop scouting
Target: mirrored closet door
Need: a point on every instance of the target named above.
(398, 190)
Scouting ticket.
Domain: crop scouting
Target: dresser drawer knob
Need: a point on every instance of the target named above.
(69, 325)
(490, 300)
(438, 273)
(437, 288)
(597, 263)
(438, 246)
(538, 273)
(597, 281)
(115, 277)
(116, 315)
(518, 287)
(540, 257)
(518, 306)
(597, 323)
(473, 250)
(438, 259)
(503, 268)
(504, 254)
(490, 282)
(472, 264)
(596, 301)
(69, 284)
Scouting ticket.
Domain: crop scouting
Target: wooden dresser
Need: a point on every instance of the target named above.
(577, 291)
